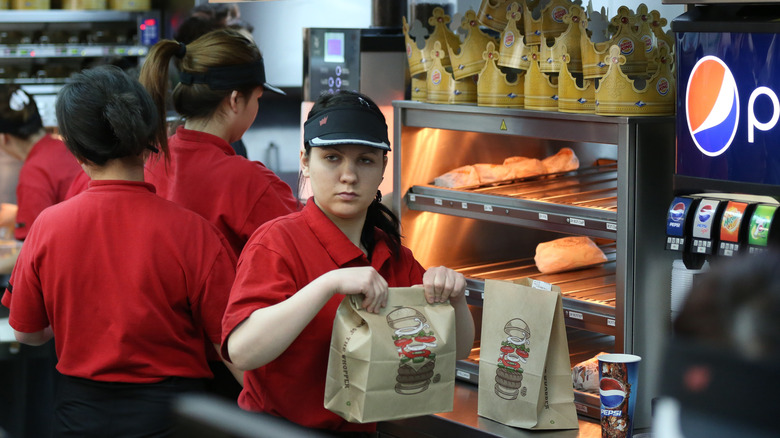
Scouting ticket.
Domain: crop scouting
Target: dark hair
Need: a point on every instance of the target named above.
(378, 215)
(103, 114)
(18, 112)
(219, 48)
(207, 17)
(735, 306)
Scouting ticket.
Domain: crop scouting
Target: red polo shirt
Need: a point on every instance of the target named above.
(281, 258)
(44, 179)
(131, 284)
(206, 176)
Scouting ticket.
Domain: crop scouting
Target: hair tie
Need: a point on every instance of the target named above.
(182, 50)
(378, 197)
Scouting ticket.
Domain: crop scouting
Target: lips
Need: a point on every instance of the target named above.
(347, 196)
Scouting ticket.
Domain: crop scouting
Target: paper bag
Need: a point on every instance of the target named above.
(524, 369)
(399, 363)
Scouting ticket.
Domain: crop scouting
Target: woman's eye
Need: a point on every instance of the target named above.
(331, 157)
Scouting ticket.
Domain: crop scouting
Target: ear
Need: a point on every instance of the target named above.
(304, 163)
(384, 163)
(233, 101)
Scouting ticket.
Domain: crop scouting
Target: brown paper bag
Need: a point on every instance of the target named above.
(399, 363)
(524, 369)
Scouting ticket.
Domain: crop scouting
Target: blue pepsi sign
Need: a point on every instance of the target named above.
(728, 106)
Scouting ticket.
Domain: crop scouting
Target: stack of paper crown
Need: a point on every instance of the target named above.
(573, 98)
(541, 90)
(493, 87)
(567, 43)
(467, 59)
(443, 87)
(419, 48)
(617, 94)
(544, 21)
(513, 53)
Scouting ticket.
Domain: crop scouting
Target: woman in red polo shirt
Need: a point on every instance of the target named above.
(221, 79)
(48, 168)
(295, 270)
(131, 286)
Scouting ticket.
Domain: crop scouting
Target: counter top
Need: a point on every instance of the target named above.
(463, 421)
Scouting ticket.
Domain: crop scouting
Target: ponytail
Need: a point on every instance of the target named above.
(154, 77)
(379, 216)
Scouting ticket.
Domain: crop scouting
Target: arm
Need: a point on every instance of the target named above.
(238, 374)
(442, 284)
(250, 346)
(34, 339)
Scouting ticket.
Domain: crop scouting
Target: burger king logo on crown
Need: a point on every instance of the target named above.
(436, 77)
(509, 39)
(626, 46)
(663, 86)
(557, 14)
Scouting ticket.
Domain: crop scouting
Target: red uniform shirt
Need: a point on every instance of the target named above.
(281, 258)
(233, 193)
(131, 284)
(79, 184)
(43, 181)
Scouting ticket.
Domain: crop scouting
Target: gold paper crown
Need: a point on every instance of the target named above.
(419, 88)
(617, 95)
(549, 23)
(441, 33)
(492, 13)
(467, 59)
(569, 39)
(646, 36)
(541, 90)
(660, 39)
(414, 54)
(571, 97)
(493, 89)
(626, 37)
(443, 87)
(513, 52)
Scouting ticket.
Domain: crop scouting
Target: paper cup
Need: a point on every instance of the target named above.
(617, 392)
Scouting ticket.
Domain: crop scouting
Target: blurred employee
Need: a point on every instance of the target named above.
(131, 286)
(48, 168)
(295, 270)
(222, 78)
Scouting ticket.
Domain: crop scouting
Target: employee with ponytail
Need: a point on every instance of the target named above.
(222, 77)
(295, 270)
(130, 286)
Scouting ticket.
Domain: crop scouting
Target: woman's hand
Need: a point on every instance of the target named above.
(362, 280)
(442, 284)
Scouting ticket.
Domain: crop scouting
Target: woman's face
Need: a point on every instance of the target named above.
(344, 178)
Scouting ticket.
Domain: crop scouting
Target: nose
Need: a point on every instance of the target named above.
(348, 172)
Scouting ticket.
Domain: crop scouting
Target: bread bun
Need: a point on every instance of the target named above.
(489, 173)
(460, 177)
(524, 167)
(564, 161)
(566, 254)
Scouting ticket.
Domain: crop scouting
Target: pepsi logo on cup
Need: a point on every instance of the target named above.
(612, 394)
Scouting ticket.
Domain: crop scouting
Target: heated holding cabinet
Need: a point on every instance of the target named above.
(617, 197)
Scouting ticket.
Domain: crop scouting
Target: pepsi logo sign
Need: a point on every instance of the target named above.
(713, 109)
(712, 104)
(705, 212)
(611, 393)
(677, 212)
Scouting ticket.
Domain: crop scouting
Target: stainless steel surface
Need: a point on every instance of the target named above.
(463, 421)
(433, 139)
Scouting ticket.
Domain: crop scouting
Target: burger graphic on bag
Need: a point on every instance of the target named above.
(414, 340)
(513, 354)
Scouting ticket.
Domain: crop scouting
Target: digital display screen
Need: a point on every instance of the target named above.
(334, 47)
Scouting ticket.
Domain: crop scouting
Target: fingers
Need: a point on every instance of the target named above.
(375, 294)
(442, 284)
